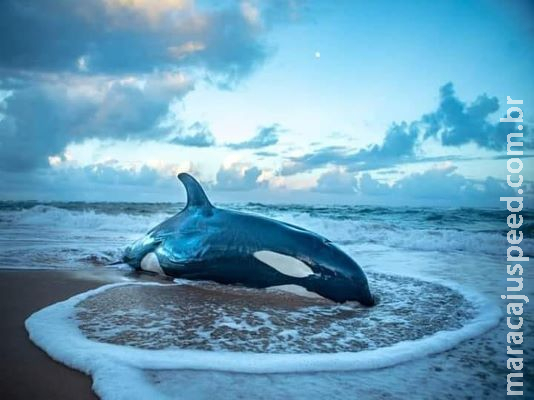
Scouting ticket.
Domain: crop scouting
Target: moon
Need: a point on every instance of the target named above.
(317, 54)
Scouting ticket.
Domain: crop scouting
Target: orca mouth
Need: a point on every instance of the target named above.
(127, 260)
(130, 261)
(117, 262)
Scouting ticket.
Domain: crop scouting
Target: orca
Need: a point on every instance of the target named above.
(204, 242)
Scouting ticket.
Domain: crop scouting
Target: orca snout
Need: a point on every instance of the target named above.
(129, 257)
(362, 292)
(368, 299)
(353, 281)
(359, 289)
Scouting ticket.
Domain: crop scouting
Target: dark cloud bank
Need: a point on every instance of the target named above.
(266, 136)
(454, 123)
(109, 69)
(437, 186)
(196, 135)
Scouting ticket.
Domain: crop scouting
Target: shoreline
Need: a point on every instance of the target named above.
(476, 365)
(26, 372)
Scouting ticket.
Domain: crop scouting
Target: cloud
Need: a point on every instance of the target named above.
(266, 154)
(336, 181)
(266, 136)
(398, 147)
(136, 36)
(42, 118)
(108, 69)
(106, 174)
(238, 177)
(106, 181)
(456, 123)
(438, 183)
(369, 186)
(196, 135)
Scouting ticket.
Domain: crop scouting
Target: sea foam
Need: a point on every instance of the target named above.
(118, 371)
(56, 237)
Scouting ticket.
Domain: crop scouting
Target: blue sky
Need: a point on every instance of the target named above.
(381, 102)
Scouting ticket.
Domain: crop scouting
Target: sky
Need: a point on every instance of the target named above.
(353, 102)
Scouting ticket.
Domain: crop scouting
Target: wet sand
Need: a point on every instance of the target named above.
(477, 366)
(26, 372)
(213, 317)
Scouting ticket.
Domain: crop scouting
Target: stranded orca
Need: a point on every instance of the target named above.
(203, 242)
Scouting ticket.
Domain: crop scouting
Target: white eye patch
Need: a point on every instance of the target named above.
(150, 263)
(284, 264)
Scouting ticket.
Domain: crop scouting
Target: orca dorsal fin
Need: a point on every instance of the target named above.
(195, 194)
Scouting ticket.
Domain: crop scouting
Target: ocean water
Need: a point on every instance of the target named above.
(438, 331)
(85, 235)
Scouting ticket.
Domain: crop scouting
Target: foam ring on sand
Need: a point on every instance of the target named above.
(209, 326)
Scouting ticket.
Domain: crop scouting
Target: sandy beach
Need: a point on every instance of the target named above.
(26, 372)
(285, 199)
(29, 373)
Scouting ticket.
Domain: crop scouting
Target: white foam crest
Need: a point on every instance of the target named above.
(117, 370)
(54, 217)
(410, 238)
(48, 222)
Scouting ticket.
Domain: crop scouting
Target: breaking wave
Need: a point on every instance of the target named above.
(77, 235)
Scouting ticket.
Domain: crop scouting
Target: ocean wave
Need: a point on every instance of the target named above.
(99, 236)
(49, 237)
(394, 234)
(54, 217)
(528, 230)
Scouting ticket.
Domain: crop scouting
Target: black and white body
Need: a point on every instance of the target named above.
(203, 242)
